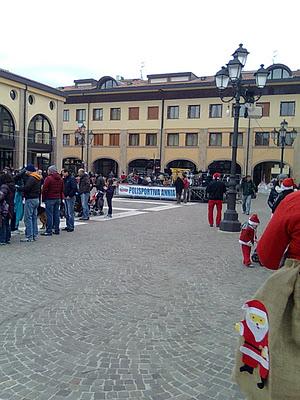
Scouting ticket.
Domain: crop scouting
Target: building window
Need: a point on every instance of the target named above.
(133, 113)
(115, 114)
(30, 99)
(80, 115)
(66, 139)
(114, 139)
(262, 138)
(240, 139)
(151, 139)
(97, 114)
(66, 115)
(7, 127)
(265, 109)
(173, 139)
(191, 139)
(287, 108)
(39, 130)
(51, 105)
(98, 139)
(153, 112)
(215, 139)
(215, 111)
(193, 111)
(173, 112)
(13, 94)
(134, 139)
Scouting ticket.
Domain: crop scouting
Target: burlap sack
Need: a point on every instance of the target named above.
(281, 296)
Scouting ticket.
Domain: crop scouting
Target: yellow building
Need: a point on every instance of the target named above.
(30, 122)
(178, 120)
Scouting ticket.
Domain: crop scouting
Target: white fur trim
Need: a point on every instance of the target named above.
(253, 223)
(255, 356)
(250, 244)
(287, 188)
(257, 311)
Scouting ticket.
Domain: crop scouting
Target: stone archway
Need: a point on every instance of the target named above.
(106, 166)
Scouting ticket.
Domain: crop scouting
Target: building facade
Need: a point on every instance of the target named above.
(178, 120)
(30, 122)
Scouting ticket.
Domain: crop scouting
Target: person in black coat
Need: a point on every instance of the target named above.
(215, 191)
(70, 189)
(287, 188)
(179, 188)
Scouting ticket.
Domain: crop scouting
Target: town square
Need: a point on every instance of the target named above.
(149, 200)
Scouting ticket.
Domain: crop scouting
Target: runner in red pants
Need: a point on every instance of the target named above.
(215, 191)
(211, 206)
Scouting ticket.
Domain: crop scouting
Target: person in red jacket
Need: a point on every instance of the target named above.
(282, 235)
(52, 195)
(248, 238)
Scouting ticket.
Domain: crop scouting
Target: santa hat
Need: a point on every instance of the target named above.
(216, 175)
(287, 184)
(255, 307)
(254, 220)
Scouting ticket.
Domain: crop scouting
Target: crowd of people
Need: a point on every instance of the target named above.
(29, 194)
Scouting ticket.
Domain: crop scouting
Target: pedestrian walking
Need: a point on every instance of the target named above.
(248, 238)
(248, 191)
(70, 189)
(186, 185)
(52, 195)
(4, 216)
(32, 194)
(178, 188)
(215, 191)
(109, 190)
(100, 183)
(84, 192)
(277, 359)
(287, 187)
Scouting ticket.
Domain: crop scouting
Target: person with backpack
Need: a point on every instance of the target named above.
(248, 191)
(215, 191)
(100, 183)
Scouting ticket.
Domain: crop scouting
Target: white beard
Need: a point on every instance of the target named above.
(259, 332)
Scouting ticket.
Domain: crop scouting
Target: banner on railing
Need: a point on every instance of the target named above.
(151, 192)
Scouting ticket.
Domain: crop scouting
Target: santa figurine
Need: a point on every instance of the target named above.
(254, 329)
(248, 238)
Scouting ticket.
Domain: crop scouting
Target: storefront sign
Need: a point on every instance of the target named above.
(152, 192)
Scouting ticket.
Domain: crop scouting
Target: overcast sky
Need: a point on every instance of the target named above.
(57, 41)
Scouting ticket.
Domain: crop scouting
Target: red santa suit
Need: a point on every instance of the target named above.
(248, 237)
(254, 328)
(282, 231)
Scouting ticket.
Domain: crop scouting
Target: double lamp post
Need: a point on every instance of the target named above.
(282, 138)
(232, 88)
(84, 140)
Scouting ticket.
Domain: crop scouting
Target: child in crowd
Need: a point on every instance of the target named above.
(248, 238)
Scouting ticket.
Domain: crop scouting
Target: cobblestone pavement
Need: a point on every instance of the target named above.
(139, 308)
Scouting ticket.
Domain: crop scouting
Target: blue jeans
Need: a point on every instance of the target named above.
(4, 230)
(52, 212)
(69, 203)
(85, 205)
(30, 218)
(246, 204)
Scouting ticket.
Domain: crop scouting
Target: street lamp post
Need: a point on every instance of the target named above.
(232, 74)
(80, 134)
(282, 138)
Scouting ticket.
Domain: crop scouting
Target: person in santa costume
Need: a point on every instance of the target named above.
(248, 238)
(215, 191)
(278, 332)
(287, 187)
(254, 329)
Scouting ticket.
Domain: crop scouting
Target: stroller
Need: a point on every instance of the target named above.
(97, 203)
(255, 258)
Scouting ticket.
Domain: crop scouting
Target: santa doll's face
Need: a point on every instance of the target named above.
(258, 325)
